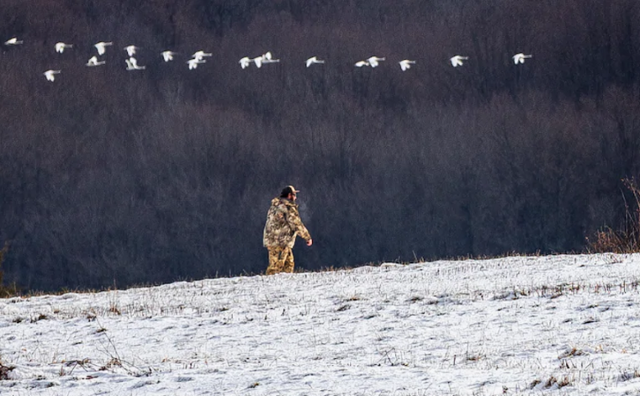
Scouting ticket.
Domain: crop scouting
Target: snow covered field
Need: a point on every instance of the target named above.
(560, 325)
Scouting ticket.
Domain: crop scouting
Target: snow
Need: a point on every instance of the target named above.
(556, 325)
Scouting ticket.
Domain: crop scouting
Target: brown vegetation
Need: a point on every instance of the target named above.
(5, 291)
(4, 371)
(627, 238)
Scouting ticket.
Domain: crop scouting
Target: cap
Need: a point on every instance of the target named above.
(289, 190)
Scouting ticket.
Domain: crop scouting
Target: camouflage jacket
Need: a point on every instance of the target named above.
(283, 224)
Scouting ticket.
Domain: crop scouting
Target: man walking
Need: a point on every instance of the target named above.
(280, 231)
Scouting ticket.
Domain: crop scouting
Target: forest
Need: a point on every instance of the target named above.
(113, 178)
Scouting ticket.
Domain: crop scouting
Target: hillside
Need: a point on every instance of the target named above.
(109, 176)
(557, 325)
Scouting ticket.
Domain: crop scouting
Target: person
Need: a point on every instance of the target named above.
(280, 231)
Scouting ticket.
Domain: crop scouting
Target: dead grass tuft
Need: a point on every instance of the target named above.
(572, 352)
(551, 382)
(627, 238)
(4, 371)
(627, 376)
(6, 291)
(114, 362)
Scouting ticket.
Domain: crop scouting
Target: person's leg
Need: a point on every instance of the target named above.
(276, 260)
(288, 263)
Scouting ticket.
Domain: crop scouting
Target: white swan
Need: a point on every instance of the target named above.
(313, 60)
(519, 58)
(93, 61)
(132, 64)
(244, 62)
(168, 55)
(406, 64)
(268, 58)
(373, 61)
(50, 74)
(102, 47)
(457, 60)
(264, 59)
(193, 63)
(362, 63)
(200, 54)
(60, 47)
(131, 50)
(13, 41)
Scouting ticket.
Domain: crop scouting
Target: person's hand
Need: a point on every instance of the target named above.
(310, 242)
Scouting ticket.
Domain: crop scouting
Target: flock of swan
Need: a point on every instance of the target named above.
(199, 58)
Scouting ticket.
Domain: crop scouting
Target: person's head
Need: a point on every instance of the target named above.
(289, 192)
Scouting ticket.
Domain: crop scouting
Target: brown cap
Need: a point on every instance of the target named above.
(289, 190)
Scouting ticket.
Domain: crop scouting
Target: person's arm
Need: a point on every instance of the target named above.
(296, 224)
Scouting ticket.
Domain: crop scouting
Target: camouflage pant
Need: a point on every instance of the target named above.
(280, 260)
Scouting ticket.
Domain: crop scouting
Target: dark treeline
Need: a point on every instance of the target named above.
(109, 176)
